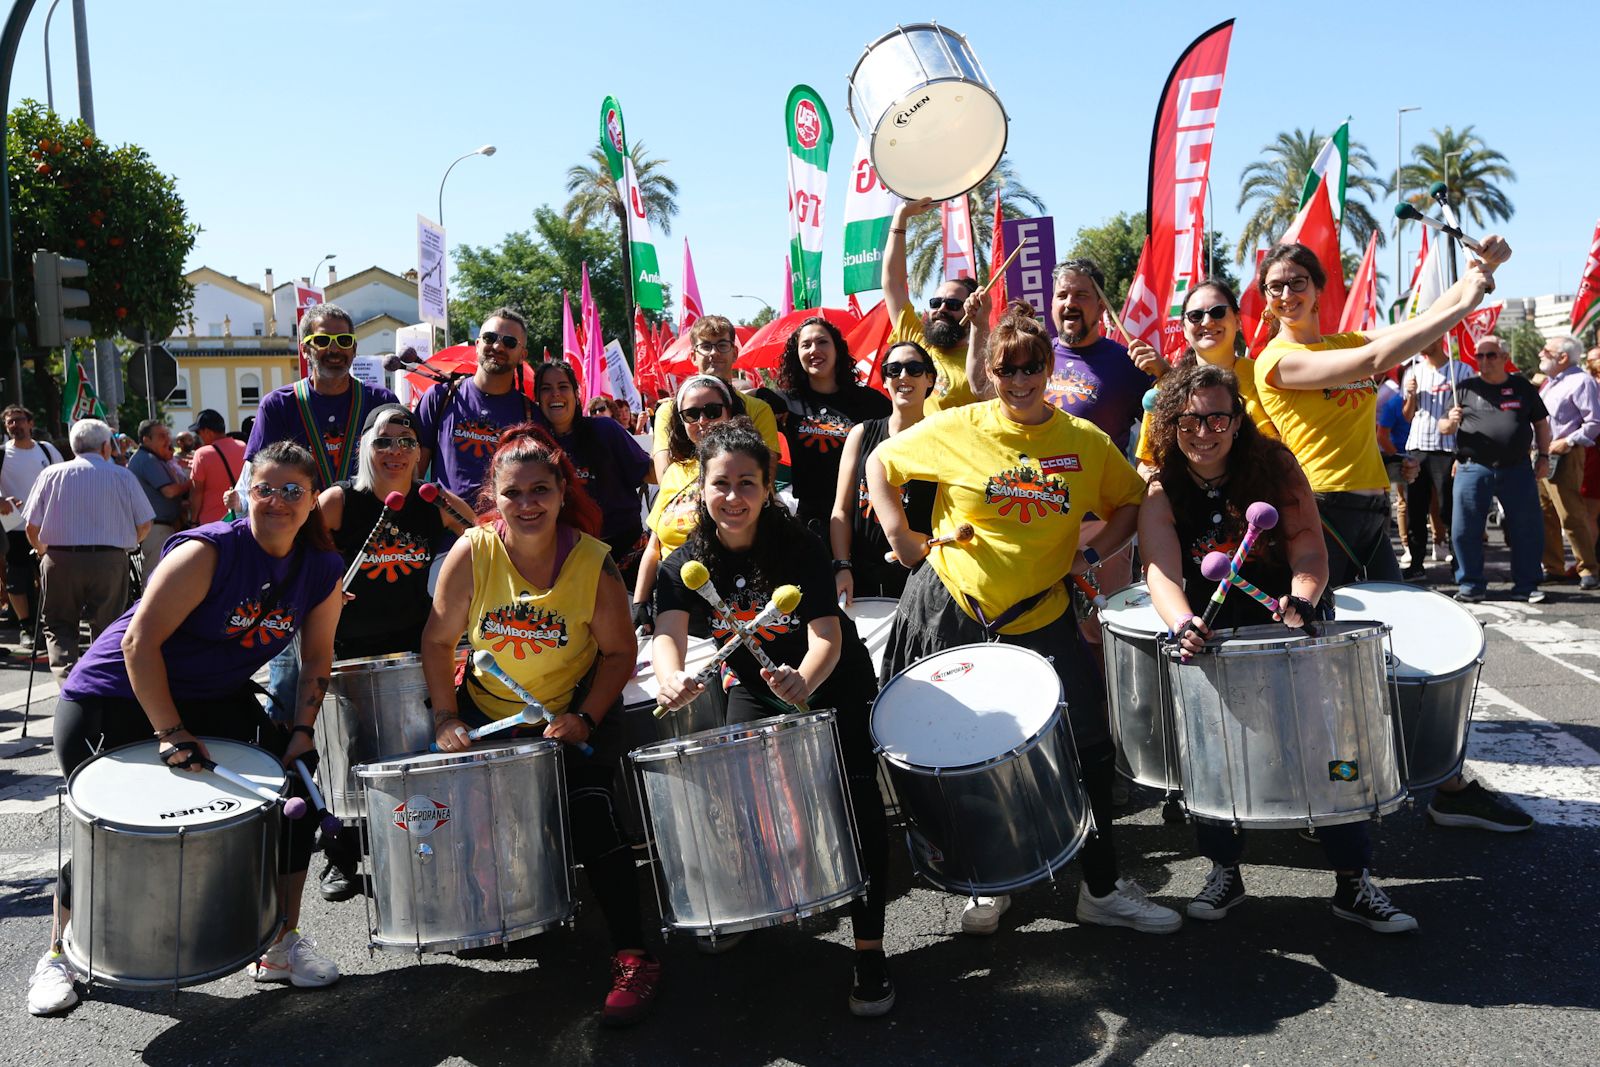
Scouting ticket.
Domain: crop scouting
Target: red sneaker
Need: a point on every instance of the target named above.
(633, 988)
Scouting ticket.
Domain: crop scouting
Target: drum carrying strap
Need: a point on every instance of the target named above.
(992, 628)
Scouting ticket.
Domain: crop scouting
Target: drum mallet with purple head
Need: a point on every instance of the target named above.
(327, 820)
(484, 660)
(393, 502)
(1258, 517)
(1217, 566)
(784, 600)
(293, 807)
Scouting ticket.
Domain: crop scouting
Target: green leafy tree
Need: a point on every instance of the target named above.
(594, 200)
(1472, 173)
(760, 318)
(1272, 185)
(1525, 342)
(1114, 247)
(925, 236)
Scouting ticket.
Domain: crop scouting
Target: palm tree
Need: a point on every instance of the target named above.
(925, 240)
(1273, 184)
(1470, 171)
(593, 198)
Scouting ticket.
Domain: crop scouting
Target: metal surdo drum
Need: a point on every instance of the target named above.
(174, 874)
(751, 824)
(1280, 730)
(706, 712)
(873, 616)
(1139, 699)
(1437, 650)
(468, 848)
(933, 124)
(982, 759)
(374, 709)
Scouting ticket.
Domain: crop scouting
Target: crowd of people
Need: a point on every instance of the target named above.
(285, 550)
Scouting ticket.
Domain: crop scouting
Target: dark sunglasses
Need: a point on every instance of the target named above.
(1216, 313)
(1216, 421)
(1011, 370)
(506, 341)
(290, 492)
(950, 302)
(912, 368)
(708, 411)
(404, 444)
(321, 341)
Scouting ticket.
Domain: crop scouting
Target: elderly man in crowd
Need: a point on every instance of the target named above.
(84, 517)
(165, 484)
(1573, 399)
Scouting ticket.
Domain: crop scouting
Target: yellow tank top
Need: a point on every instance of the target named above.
(538, 636)
(676, 511)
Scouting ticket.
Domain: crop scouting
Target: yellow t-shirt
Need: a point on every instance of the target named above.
(1024, 489)
(1244, 369)
(538, 636)
(953, 390)
(758, 410)
(677, 508)
(1332, 432)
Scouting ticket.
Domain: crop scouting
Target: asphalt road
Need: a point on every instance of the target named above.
(1503, 970)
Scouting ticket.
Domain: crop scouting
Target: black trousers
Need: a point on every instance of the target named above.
(1435, 481)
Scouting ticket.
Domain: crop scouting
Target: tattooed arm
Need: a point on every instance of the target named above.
(176, 588)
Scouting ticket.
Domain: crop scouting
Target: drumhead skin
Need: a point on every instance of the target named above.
(966, 706)
(1132, 610)
(1433, 635)
(131, 787)
(435, 761)
(642, 689)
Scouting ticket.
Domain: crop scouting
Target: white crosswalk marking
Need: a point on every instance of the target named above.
(1548, 772)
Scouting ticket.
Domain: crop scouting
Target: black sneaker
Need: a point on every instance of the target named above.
(336, 884)
(1467, 596)
(1223, 890)
(1414, 573)
(1360, 901)
(873, 992)
(1172, 809)
(1479, 808)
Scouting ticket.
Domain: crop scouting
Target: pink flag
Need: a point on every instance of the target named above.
(594, 354)
(571, 350)
(692, 307)
(956, 218)
(788, 288)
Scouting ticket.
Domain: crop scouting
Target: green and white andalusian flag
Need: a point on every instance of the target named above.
(868, 212)
(810, 130)
(1333, 163)
(78, 400)
(646, 280)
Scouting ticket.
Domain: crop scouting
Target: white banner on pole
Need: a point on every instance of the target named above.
(431, 272)
(620, 377)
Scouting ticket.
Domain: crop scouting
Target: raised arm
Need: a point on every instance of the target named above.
(896, 291)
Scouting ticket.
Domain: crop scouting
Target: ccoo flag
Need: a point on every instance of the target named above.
(1586, 305)
(646, 272)
(810, 132)
(868, 212)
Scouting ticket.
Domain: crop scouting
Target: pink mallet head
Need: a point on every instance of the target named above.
(428, 492)
(295, 808)
(1217, 565)
(397, 501)
(1261, 515)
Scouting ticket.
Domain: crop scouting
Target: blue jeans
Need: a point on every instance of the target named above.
(283, 681)
(1476, 487)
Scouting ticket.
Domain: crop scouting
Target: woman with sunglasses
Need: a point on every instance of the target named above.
(535, 568)
(1211, 465)
(1023, 474)
(817, 400)
(857, 540)
(701, 402)
(178, 664)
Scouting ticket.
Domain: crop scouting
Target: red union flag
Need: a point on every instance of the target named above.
(1180, 165)
(1142, 313)
(1586, 305)
(1361, 306)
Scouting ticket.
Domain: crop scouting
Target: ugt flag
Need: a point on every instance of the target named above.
(868, 213)
(810, 133)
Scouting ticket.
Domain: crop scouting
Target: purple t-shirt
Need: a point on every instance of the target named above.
(279, 419)
(231, 634)
(1099, 382)
(612, 467)
(462, 435)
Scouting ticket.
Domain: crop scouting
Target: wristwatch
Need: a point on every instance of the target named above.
(1090, 556)
(841, 565)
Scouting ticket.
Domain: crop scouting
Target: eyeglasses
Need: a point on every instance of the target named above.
(1027, 370)
(1495, 353)
(404, 444)
(714, 348)
(949, 302)
(1215, 421)
(321, 341)
(911, 368)
(289, 492)
(505, 340)
(1296, 285)
(1215, 313)
(707, 411)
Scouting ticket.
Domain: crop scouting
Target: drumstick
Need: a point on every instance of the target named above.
(1090, 588)
(327, 820)
(392, 502)
(523, 717)
(1258, 517)
(1217, 566)
(484, 660)
(962, 535)
(1116, 320)
(995, 275)
(697, 577)
(293, 807)
(431, 493)
(784, 600)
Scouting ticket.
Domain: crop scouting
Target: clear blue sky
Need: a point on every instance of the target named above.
(297, 128)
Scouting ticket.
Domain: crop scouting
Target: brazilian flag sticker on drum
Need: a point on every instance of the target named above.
(1343, 770)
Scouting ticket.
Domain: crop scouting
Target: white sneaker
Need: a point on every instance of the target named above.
(50, 989)
(1441, 552)
(1126, 906)
(1405, 558)
(295, 960)
(982, 916)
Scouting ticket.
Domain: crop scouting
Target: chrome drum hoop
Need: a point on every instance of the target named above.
(373, 711)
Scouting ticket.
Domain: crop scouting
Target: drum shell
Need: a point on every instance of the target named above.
(374, 710)
(751, 823)
(497, 870)
(1260, 726)
(158, 909)
(640, 727)
(1139, 699)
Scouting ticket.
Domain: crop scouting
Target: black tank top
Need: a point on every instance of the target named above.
(1209, 529)
(391, 587)
(867, 543)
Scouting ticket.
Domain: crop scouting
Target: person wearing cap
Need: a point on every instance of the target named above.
(215, 467)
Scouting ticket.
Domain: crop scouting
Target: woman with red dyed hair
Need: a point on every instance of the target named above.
(535, 568)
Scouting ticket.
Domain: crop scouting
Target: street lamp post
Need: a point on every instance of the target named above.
(485, 150)
(444, 280)
(49, 87)
(312, 278)
(757, 299)
(1399, 255)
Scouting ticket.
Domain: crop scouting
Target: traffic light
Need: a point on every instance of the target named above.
(53, 299)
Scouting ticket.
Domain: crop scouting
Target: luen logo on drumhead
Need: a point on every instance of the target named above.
(220, 806)
(946, 673)
(420, 815)
(903, 118)
(807, 124)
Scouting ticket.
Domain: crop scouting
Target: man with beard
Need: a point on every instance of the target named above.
(460, 423)
(1094, 377)
(957, 350)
